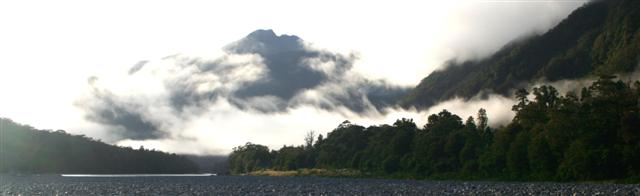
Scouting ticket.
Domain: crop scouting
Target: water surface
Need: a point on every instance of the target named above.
(262, 185)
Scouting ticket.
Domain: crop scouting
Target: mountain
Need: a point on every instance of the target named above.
(24, 149)
(601, 37)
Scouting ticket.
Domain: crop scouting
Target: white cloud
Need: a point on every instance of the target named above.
(49, 49)
(225, 126)
(498, 108)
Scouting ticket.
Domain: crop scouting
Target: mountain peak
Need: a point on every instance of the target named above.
(262, 34)
(265, 42)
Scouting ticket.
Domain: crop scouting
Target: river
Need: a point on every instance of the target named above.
(263, 185)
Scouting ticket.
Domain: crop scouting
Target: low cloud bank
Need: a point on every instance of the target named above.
(265, 89)
(257, 78)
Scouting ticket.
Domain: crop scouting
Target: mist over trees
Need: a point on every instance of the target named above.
(601, 37)
(590, 134)
(24, 149)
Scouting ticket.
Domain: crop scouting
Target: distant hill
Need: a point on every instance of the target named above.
(217, 164)
(601, 37)
(24, 149)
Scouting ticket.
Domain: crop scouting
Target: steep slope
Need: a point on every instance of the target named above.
(601, 37)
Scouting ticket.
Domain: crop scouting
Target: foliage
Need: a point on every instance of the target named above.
(602, 37)
(592, 137)
(248, 158)
(24, 149)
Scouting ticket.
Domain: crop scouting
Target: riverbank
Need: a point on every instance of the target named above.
(268, 185)
(310, 172)
(351, 173)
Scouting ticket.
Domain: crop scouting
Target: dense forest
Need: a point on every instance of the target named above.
(588, 134)
(601, 37)
(24, 149)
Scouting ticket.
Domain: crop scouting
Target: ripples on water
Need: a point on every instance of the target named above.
(200, 184)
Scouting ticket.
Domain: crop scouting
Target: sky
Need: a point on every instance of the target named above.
(197, 77)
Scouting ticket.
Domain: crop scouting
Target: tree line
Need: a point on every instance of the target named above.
(589, 134)
(600, 37)
(24, 149)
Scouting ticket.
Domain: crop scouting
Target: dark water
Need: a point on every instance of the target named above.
(253, 185)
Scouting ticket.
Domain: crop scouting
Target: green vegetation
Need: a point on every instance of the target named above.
(591, 136)
(24, 149)
(309, 172)
(602, 37)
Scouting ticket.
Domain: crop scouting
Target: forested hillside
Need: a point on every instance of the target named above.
(590, 134)
(24, 149)
(601, 37)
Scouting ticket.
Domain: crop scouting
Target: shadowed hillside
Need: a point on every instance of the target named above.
(601, 37)
(24, 149)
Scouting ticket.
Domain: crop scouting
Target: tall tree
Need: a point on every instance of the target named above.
(483, 120)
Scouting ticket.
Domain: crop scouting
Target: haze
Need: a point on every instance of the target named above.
(188, 77)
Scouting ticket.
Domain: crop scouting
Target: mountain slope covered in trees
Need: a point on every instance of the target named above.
(24, 149)
(601, 37)
(590, 134)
